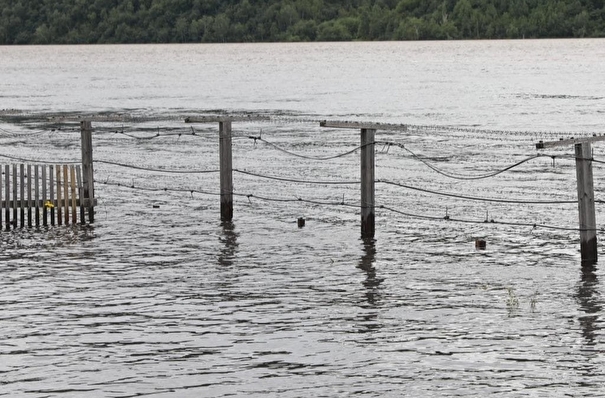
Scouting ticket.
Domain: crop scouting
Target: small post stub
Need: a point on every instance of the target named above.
(88, 183)
(586, 204)
(367, 182)
(226, 170)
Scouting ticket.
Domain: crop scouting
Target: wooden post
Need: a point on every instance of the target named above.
(367, 183)
(87, 169)
(586, 206)
(226, 170)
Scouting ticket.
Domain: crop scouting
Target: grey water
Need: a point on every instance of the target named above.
(159, 298)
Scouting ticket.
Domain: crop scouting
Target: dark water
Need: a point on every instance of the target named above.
(160, 298)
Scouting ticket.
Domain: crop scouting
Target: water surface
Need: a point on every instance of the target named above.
(160, 298)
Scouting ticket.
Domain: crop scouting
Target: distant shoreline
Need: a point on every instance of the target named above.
(284, 21)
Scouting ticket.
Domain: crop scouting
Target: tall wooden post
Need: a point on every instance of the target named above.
(586, 205)
(367, 182)
(226, 170)
(88, 182)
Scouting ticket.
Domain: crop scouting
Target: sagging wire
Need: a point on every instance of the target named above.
(38, 161)
(246, 195)
(258, 138)
(24, 134)
(159, 133)
(156, 170)
(447, 218)
(467, 177)
(297, 199)
(296, 180)
(477, 198)
(150, 189)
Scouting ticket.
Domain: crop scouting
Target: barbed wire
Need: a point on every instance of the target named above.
(481, 199)
(496, 132)
(263, 117)
(446, 218)
(158, 134)
(151, 189)
(469, 177)
(38, 161)
(157, 170)
(4, 132)
(387, 182)
(490, 221)
(296, 180)
(306, 156)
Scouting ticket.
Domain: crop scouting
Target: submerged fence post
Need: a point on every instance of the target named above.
(367, 182)
(226, 170)
(88, 183)
(586, 205)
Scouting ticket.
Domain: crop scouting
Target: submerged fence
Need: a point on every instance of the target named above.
(73, 196)
(40, 195)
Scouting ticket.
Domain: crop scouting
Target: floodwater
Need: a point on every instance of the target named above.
(159, 298)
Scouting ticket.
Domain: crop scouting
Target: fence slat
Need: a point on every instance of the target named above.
(15, 195)
(29, 195)
(66, 193)
(72, 178)
(7, 212)
(59, 201)
(1, 203)
(37, 195)
(44, 197)
(51, 184)
(80, 190)
(22, 193)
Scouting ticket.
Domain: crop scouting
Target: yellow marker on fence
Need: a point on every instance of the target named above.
(49, 204)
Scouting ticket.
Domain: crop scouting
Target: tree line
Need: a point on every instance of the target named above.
(217, 21)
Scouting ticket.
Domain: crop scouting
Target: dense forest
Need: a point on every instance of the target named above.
(187, 21)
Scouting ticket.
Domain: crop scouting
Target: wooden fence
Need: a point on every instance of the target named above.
(36, 195)
(49, 194)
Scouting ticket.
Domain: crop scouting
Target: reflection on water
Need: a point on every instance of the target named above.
(371, 283)
(590, 302)
(133, 308)
(368, 321)
(229, 241)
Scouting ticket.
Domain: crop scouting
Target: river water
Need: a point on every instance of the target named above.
(160, 298)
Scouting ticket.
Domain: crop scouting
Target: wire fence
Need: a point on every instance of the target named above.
(55, 126)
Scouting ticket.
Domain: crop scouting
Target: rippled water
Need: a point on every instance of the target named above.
(159, 298)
